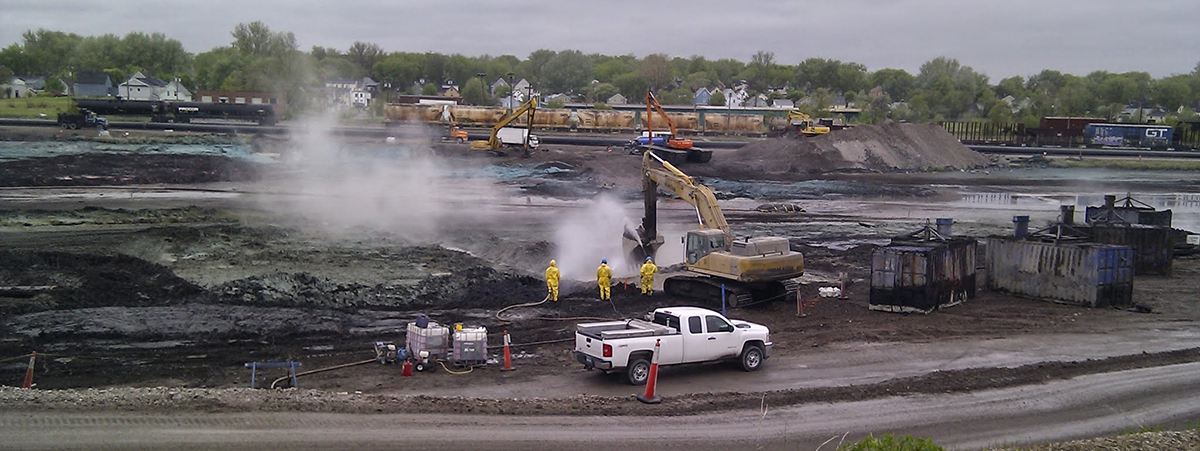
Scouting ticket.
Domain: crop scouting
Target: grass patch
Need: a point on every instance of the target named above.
(35, 107)
(1135, 165)
(890, 443)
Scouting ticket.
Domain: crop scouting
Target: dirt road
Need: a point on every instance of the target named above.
(1085, 406)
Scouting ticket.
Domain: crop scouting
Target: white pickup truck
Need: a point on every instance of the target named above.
(688, 335)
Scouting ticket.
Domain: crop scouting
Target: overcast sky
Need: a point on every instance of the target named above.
(998, 38)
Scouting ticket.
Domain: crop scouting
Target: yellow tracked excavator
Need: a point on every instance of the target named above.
(752, 270)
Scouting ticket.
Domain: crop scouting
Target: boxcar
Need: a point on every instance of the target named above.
(1156, 137)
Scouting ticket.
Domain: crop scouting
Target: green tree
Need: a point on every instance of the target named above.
(654, 70)
(429, 89)
(717, 99)
(401, 69)
(474, 93)
(365, 55)
(566, 71)
(632, 86)
(1011, 86)
(603, 91)
(897, 83)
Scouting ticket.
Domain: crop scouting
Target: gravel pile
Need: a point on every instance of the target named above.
(886, 147)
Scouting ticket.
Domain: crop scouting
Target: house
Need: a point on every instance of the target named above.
(702, 96)
(497, 85)
(34, 84)
(450, 91)
(141, 87)
(783, 103)
(758, 101)
(510, 102)
(351, 92)
(563, 97)
(617, 99)
(174, 90)
(92, 84)
(735, 97)
(521, 86)
(14, 89)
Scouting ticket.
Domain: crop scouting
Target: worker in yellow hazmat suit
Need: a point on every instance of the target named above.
(604, 278)
(552, 280)
(647, 272)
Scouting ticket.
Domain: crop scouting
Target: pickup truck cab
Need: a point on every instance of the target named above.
(687, 335)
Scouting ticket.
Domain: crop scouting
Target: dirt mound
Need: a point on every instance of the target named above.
(72, 280)
(886, 147)
(470, 287)
(125, 169)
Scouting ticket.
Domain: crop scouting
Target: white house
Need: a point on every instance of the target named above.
(14, 89)
(617, 99)
(175, 91)
(360, 98)
(142, 87)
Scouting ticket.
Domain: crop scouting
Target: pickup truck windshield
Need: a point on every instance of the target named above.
(667, 320)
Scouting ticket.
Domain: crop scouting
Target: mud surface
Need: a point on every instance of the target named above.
(184, 266)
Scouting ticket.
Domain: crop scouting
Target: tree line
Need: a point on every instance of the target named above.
(260, 59)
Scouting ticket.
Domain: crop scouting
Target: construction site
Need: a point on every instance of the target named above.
(174, 271)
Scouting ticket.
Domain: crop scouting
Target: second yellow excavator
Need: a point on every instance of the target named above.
(504, 135)
(749, 270)
(804, 124)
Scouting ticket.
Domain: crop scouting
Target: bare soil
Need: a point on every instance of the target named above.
(181, 291)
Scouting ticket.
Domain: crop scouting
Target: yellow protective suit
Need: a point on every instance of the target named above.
(552, 281)
(647, 272)
(604, 278)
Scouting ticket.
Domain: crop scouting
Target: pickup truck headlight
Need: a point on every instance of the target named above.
(607, 350)
(768, 337)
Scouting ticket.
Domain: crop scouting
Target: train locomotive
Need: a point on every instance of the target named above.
(182, 112)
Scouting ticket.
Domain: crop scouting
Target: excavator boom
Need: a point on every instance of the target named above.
(749, 270)
(493, 141)
(674, 141)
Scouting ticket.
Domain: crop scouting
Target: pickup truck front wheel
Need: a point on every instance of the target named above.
(752, 358)
(638, 372)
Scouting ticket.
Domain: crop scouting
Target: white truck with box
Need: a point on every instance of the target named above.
(515, 137)
(687, 335)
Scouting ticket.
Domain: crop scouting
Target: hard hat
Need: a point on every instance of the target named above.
(647, 258)
(604, 260)
(551, 262)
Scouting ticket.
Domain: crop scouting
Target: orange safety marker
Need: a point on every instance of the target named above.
(651, 382)
(507, 356)
(29, 372)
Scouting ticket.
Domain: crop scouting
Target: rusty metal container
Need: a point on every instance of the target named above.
(1153, 246)
(922, 276)
(553, 118)
(413, 113)
(733, 123)
(1087, 274)
(480, 116)
(684, 122)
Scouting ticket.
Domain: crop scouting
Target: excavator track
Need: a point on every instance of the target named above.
(707, 290)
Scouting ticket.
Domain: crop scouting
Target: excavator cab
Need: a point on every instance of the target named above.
(700, 243)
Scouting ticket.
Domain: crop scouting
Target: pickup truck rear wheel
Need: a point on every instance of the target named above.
(752, 358)
(638, 372)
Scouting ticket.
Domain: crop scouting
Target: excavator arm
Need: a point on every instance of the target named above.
(674, 142)
(657, 172)
(493, 141)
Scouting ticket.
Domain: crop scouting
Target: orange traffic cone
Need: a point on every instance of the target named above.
(406, 369)
(507, 356)
(29, 372)
(650, 397)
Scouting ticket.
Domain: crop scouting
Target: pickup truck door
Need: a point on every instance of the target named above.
(695, 342)
(721, 337)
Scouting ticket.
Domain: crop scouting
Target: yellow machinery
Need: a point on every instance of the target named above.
(805, 125)
(752, 270)
(495, 140)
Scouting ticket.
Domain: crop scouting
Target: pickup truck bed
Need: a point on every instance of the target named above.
(624, 329)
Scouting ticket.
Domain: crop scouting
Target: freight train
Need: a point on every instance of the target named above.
(183, 112)
(1079, 132)
(699, 121)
